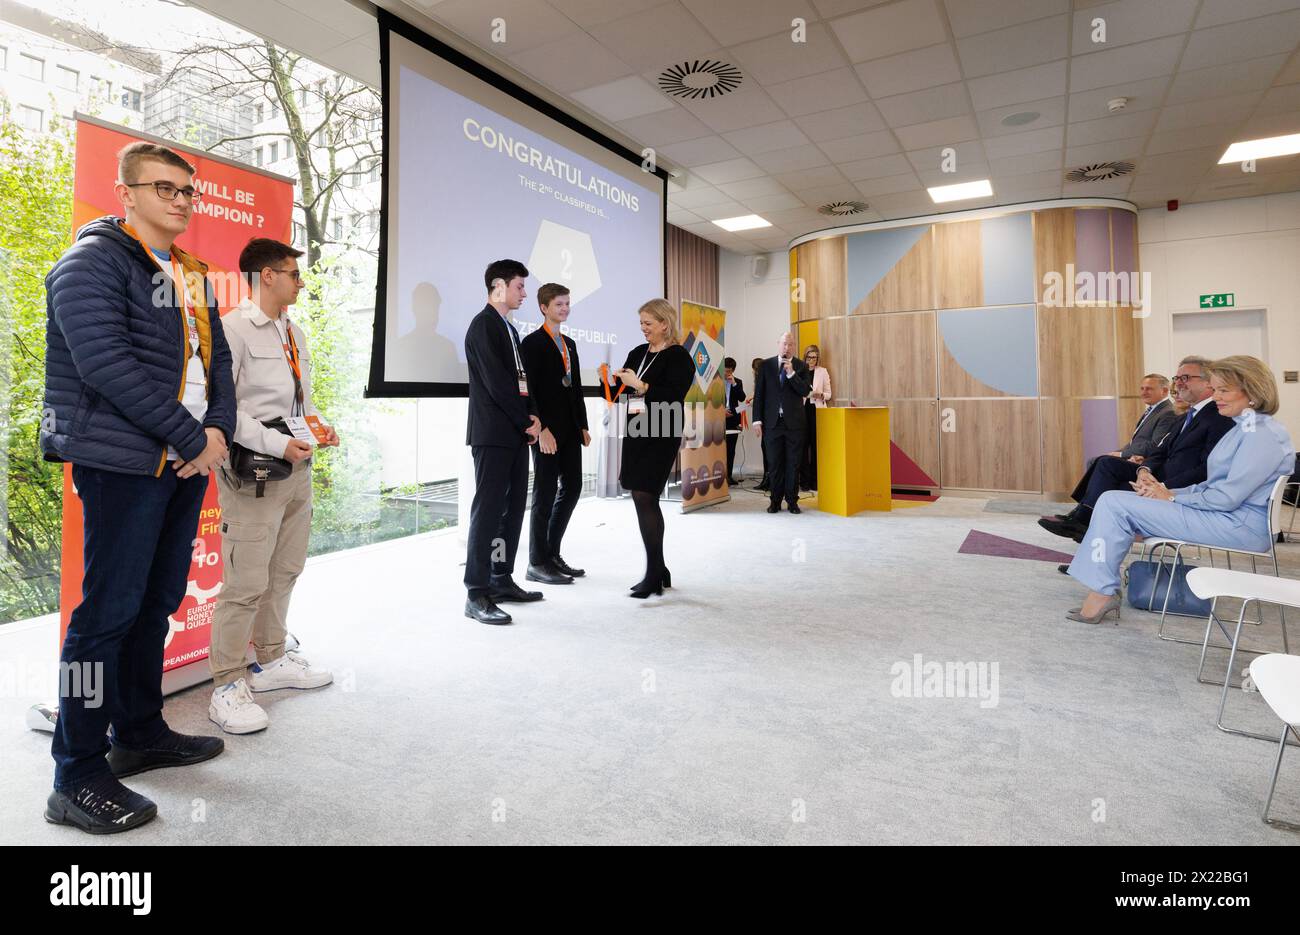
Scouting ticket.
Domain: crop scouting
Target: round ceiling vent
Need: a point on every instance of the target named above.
(839, 209)
(702, 78)
(1021, 118)
(1099, 171)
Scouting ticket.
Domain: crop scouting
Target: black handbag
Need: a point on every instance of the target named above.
(253, 467)
(1148, 583)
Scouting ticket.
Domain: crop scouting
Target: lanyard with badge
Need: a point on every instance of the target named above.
(519, 364)
(564, 352)
(636, 403)
(301, 426)
(187, 313)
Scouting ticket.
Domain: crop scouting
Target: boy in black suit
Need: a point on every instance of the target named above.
(735, 396)
(554, 376)
(502, 424)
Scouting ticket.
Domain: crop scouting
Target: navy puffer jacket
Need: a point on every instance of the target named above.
(115, 363)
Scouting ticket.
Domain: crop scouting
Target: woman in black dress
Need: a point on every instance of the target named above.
(655, 377)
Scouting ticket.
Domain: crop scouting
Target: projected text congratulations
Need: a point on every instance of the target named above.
(557, 168)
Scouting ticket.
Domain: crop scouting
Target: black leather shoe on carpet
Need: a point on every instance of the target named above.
(101, 806)
(1066, 529)
(509, 591)
(774, 508)
(1063, 569)
(567, 569)
(484, 611)
(171, 749)
(794, 508)
(547, 574)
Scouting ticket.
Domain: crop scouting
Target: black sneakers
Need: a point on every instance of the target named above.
(171, 749)
(101, 806)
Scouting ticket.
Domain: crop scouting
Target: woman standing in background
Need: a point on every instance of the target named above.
(817, 399)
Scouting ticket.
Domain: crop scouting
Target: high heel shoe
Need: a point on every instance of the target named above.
(645, 587)
(1112, 603)
(668, 578)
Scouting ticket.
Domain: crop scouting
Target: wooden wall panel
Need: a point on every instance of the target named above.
(833, 334)
(822, 267)
(1076, 351)
(1128, 351)
(1062, 443)
(914, 427)
(893, 355)
(995, 445)
(1053, 242)
(692, 269)
(905, 287)
(955, 380)
(959, 265)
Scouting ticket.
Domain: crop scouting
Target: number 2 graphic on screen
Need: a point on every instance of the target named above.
(566, 256)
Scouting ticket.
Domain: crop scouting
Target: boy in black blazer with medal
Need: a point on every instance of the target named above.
(554, 375)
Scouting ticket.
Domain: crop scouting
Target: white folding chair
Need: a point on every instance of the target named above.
(1278, 680)
(1150, 546)
(1214, 583)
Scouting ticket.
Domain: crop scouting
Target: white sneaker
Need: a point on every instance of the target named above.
(289, 671)
(233, 710)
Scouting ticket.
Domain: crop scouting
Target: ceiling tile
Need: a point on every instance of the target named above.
(1279, 100)
(1173, 141)
(841, 122)
(910, 71)
(876, 168)
(1291, 73)
(1044, 40)
(1268, 35)
(949, 100)
(781, 134)
(654, 38)
(969, 17)
(698, 197)
(748, 106)
(728, 209)
(816, 197)
(698, 152)
(838, 88)
(736, 21)
(915, 204)
(1127, 63)
(665, 126)
(587, 13)
(529, 23)
(752, 188)
(861, 146)
(680, 216)
(623, 99)
(1142, 95)
(1270, 125)
(1218, 12)
(1114, 127)
(888, 30)
(1020, 144)
(788, 160)
(964, 158)
(1220, 110)
(938, 133)
(1048, 160)
(889, 185)
(574, 62)
(730, 170)
(1013, 87)
(1108, 151)
(1239, 77)
(1128, 22)
(971, 171)
(1106, 188)
(765, 203)
(817, 177)
(777, 59)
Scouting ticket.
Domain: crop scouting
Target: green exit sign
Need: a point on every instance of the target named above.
(1219, 300)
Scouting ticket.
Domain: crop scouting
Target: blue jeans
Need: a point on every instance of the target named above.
(139, 534)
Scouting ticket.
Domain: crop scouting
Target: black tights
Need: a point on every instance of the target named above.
(651, 520)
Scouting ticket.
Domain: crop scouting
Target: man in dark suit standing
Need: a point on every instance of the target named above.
(555, 378)
(1179, 461)
(735, 396)
(783, 383)
(502, 424)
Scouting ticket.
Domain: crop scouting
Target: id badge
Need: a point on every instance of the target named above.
(635, 404)
(523, 387)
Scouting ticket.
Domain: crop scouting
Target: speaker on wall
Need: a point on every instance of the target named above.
(758, 267)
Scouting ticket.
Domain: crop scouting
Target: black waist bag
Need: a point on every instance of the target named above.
(253, 467)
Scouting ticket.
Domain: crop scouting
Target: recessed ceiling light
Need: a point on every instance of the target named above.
(1262, 149)
(1021, 118)
(961, 191)
(743, 223)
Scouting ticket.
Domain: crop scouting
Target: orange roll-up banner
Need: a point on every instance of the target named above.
(238, 203)
(704, 452)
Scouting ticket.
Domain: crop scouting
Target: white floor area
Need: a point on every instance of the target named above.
(758, 701)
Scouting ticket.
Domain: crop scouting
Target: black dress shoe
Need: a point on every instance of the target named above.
(774, 508)
(509, 591)
(171, 749)
(484, 611)
(1066, 529)
(100, 806)
(644, 588)
(794, 508)
(567, 569)
(763, 485)
(1063, 569)
(547, 574)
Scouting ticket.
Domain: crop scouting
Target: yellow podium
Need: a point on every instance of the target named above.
(853, 460)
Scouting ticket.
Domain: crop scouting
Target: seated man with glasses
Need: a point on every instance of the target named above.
(1179, 460)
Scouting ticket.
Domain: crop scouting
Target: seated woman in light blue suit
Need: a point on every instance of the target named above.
(1229, 509)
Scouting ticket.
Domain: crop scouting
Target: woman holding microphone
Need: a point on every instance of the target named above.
(655, 376)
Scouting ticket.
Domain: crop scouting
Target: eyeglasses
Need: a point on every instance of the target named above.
(168, 192)
(1183, 378)
(296, 274)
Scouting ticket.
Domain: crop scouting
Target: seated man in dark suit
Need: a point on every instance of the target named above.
(1178, 461)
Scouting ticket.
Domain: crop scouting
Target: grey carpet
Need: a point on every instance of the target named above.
(752, 703)
(1033, 508)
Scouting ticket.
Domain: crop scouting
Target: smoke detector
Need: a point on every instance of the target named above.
(1116, 104)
